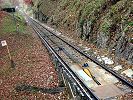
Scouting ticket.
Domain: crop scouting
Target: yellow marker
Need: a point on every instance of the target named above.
(87, 71)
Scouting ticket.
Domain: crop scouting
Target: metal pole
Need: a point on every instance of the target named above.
(12, 62)
(9, 52)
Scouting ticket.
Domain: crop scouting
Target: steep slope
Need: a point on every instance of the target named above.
(32, 64)
(106, 23)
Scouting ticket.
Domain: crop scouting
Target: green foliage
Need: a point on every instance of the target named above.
(64, 2)
(130, 23)
(127, 25)
(117, 15)
(105, 27)
(81, 23)
(78, 10)
(6, 5)
(131, 40)
(102, 14)
(19, 17)
(117, 7)
(9, 25)
(91, 7)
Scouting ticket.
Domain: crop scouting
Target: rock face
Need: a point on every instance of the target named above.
(124, 49)
(102, 40)
(106, 23)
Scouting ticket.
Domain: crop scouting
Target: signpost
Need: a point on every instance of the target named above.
(4, 43)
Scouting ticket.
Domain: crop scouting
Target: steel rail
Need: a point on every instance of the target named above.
(73, 59)
(74, 76)
(92, 59)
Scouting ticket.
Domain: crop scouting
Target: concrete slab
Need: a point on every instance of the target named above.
(75, 67)
(90, 84)
(84, 76)
(91, 64)
(107, 91)
(101, 75)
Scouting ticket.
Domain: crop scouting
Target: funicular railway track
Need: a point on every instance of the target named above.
(77, 64)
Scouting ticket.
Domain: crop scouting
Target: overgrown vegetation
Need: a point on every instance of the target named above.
(10, 24)
(103, 14)
(102, 22)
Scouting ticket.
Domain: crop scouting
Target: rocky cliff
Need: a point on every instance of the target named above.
(106, 23)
